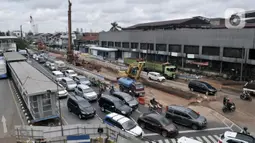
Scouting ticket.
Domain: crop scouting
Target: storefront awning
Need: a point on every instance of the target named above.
(103, 49)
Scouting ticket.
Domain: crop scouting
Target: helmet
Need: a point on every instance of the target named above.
(153, 98)
(245, 128)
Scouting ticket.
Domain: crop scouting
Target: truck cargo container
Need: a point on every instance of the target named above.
(131, 86)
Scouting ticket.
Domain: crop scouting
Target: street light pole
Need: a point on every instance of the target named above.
(21, 33)
(60, 114)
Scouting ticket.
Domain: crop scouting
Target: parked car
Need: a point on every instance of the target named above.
(70, 73)
(52, 66)
(68, 83)
(41, 60)
(113, 104)
(235, 137)
(156, 76)
(202, 87)
(80, 107)
(159, 124)
(127, 99)
(58, 75)
(186, 117)
(82, 80)
(85, 92)
(62, 93)
(60, 65)
(123, 123)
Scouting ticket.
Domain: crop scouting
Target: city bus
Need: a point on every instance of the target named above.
(3, 70)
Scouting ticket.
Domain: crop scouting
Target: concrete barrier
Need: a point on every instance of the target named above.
(168, 89)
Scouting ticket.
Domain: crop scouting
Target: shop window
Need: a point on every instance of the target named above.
(252, 54)
(134, 45)
(190, 49)
(211, 51)
(117, 44)
(161, 47)
(125, 45)
(175, 48)
(110, 44)
(233, 52)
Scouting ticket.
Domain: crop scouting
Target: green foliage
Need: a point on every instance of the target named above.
(8, 33)
(21, 44)
(2, 33)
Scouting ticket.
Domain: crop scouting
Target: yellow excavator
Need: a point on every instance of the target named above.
(134, 70)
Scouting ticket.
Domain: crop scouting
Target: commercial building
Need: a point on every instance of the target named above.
(194, 43)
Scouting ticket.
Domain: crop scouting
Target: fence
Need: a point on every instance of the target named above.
(54, 134)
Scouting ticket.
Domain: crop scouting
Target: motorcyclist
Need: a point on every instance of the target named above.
(225, 100)
(245, 131)
(112, 89)
(154, 103)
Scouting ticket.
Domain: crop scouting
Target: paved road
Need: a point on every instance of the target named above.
(8, 109)
(215, 126)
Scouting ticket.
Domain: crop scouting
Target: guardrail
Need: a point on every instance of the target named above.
(54, 134)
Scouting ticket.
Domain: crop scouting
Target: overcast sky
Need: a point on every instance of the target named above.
(97, 15)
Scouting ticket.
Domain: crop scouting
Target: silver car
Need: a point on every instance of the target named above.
(82, 80)
(85, 92)
(62, 93)
(68, 83)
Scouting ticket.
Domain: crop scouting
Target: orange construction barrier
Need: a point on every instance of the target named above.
(166, 108)
(141, 100)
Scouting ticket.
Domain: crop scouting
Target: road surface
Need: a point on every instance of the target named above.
(214, 129)
(9, 114)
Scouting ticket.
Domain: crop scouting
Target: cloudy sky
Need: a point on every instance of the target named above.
(97, 15)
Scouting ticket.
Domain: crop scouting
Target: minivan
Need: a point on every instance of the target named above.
(202, 87)
(80, 106)
(113, 104)
(186, 117)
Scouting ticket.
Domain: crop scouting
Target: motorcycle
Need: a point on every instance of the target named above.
(232, 108)
(246, 96)
(156, 109)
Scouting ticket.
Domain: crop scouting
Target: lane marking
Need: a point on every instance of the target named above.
(160, 141)
(206, 140)
(209, 129)
(138, 111)
(212, 139)
(199, 139)
(217, 137)
(167, 141)
(151, 134)
(173, 140)
(99, 118)
(15, 102)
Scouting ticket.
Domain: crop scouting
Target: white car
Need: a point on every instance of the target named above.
(58, 75)
(52, 66)
(156, 76)
(235, 137)
(70, 73)
(86, 92)
(62, 93)
(124, 123)
(187, 140)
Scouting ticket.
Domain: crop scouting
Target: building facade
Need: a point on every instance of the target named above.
(223, 49)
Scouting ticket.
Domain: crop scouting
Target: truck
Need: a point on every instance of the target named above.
(38, 92)
(167, 69)
(131, 86)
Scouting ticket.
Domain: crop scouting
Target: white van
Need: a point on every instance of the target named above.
(60, 65)
(187, 140)
(58, 75)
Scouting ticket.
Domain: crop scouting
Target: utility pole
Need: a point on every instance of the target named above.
(70, 49)
(242, 62)
(21, 33)
(60, 114)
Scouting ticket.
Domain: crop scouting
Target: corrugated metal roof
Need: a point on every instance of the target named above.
(8, 37)
(14, 56)
(34, 82)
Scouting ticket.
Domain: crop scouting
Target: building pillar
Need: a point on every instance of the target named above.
(139, 51)
(221, 58)
(182, 54)
(200, 50)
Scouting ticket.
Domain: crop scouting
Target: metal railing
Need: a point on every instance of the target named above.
(53, 134)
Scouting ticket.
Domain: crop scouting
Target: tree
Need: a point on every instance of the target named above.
(115, 27)
(21, 43)
(2, 33)
(8, 33)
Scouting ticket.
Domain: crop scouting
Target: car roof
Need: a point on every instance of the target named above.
(122, 94)
(57, 72)
(180, 108)
(153, 115)
(112, 98)
(117, 117)
(239, 136)
(154, 72)
(70, 70)
(67, 78)
(80, 76)
(83, 86)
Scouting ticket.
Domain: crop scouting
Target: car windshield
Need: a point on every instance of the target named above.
(118, 103)
(88, 90)
(163, 121)
(128, 98)
(71, 72)
(193, 114)
(70, 82)
(83, 79)
(128, 125)
(208, 85)
(139, 86)
(84, 104)
(59, 75)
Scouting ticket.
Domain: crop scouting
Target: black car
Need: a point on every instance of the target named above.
(159, 124)
(202, 87)
(127, 99)
(113, 104)
(186, 117)
(80, 107)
